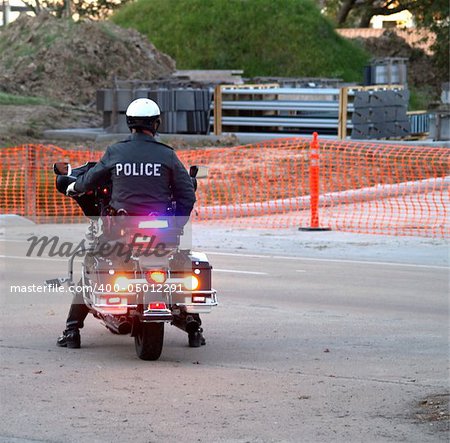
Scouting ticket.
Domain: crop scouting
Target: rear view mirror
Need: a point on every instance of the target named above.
(202, 172)
(198, 171)
(62, 168)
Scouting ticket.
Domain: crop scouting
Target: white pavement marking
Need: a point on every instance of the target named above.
(12, 241)
(280, 257)
(233, 271)
(18, 257)
(333, 260)
(239, 272)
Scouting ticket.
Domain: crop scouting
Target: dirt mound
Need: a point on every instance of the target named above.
(65, 60)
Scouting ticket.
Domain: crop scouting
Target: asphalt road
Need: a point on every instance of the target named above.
(300, 350)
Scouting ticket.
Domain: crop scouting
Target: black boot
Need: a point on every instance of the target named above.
(196, 339)
(70, 338)
(78, 311)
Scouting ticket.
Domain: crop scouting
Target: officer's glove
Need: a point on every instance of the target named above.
(70, 191)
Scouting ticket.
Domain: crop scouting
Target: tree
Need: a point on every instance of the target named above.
(432, 15)
(435, 16)
(94, 9)
(359, 12)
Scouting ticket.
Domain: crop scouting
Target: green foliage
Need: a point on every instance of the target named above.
(435, 15)
(263, 37)
(93, 9)
(419, 98)
(21, 100)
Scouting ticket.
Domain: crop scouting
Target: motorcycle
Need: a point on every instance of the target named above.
(135, 276)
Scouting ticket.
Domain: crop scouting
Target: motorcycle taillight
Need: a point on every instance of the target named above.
(156, 306)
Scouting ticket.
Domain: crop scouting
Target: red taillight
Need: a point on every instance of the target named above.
(156, 306)
(155, 276)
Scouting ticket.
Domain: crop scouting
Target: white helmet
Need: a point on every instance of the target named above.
(142, 113)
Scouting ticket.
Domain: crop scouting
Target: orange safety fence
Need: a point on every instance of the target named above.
(363, 187)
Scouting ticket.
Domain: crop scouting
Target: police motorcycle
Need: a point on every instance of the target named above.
(135, 277)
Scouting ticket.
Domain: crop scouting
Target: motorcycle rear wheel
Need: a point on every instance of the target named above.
(149, 341)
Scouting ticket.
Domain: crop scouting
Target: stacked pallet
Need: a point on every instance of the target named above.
(183, 110)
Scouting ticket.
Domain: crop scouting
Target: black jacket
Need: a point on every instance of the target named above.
(146, 176)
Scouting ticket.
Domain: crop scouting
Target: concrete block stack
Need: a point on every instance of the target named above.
(380, 114)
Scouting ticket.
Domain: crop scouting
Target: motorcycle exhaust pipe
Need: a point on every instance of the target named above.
(187, 324)
(118, 325)
(124, 328)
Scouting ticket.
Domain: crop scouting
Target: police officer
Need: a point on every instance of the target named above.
(146, 177)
